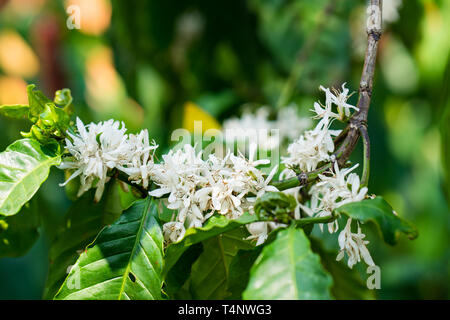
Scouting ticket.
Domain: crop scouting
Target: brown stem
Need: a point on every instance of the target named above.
(358, 122)
(359, 119)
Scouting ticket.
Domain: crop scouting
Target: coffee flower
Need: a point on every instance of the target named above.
(334, 189)
(94, 150)
(354, 245)
(100, 147)
(198, 188)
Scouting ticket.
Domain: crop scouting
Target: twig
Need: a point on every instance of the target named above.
(300, 180)
(310, 220)
(366, 161)
(358, 122)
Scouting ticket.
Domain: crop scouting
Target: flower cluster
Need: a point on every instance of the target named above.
(336, 186)
(195, 186)
(315, 146)
(100, 147)
(262, 130)
(198, 188)
(334, 189)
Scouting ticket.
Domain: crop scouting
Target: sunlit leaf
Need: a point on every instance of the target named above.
(84, 220)
(16, 111)
(288, 269)
(24, 166)
(124, 262)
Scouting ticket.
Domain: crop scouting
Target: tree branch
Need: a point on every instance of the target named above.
(358, 122)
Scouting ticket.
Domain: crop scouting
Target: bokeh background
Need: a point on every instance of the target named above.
(161, 64)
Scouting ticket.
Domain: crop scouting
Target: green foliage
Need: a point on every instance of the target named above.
(239, 271)
(84, 220)
(288, 269)
(16, 111)
(275, 206)
(50, 120)
(124, 262)
(24, 166)
(379, 212)
(210, 274)
(214, 226)
(19, 232)
(445, 143)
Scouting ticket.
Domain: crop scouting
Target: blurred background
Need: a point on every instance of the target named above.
(162, 64)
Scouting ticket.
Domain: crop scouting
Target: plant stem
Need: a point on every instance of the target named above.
(301, 179)
(310, 220)
(358, 122)
(366, 167)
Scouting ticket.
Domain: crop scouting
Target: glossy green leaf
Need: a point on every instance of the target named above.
(211, 272)
(24, 166)
(124, 262)
(379, 212)
(16, 111)
(18, 233)
(84, 220)
(240, 271)
(177, 277)
(213, 227)
(288, 269)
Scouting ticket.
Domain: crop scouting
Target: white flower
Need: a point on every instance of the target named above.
(99, 147)
(140, 161)
(290, 124)
(354, 245)
(95, 149)
(173, 231)
(267, 134)
(333, 190)
(199, 188)
(258, 231)
(311, 148)
(339, 99)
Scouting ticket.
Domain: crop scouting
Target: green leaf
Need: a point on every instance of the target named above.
(24, 166)
(124, 262)
(36, 100)
(379, 212)
(213, 227)
(347, 283)
(16, 111)
(18, 233)
(445, 145)
(84, 220)
(240, 271)
(210, 273)
(288, 269)
(181, 271)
